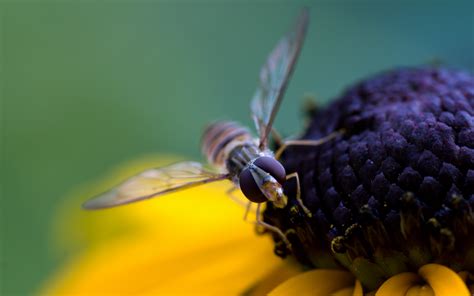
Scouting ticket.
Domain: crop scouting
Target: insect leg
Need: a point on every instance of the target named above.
(317, 142)
(235, 198)
(247, 210)
(248, 205)
(272, 228)
(298, 193)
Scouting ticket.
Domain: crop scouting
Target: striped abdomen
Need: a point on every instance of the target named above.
(220, 138)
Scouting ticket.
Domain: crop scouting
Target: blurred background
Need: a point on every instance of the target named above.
(88, 85)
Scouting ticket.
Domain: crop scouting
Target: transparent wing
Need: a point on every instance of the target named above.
(274, 76)
(155, 182)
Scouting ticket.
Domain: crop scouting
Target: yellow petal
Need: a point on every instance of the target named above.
(138, 267)
(74, 228)
(398, 285)
(189, 242)
(358, 291)
(315, 282)
(444, 281)
(205, 207)
(350, 291)
(344, 292)
(287, 269)
(420, 291)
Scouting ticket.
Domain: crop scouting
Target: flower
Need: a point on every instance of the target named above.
(394, 190)
(192, 242)
(390, 200)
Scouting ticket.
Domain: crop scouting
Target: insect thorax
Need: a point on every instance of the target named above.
(240, 157)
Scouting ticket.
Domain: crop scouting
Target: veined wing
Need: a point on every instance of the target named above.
(155, 182)
(274, 77)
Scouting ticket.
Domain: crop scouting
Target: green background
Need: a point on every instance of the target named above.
(87, 85)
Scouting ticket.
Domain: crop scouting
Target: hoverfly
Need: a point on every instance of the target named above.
(242, 159)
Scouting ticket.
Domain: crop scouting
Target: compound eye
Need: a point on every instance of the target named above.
(249, 188)
(273, 167)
